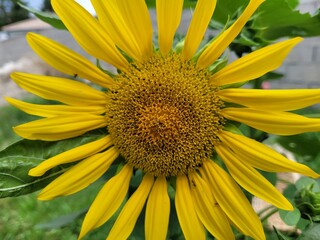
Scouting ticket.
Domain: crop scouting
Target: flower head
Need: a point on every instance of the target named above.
(167, 115)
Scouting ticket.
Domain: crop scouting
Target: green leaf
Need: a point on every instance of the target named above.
(277, 18)
(306, 144)
(271, 76)
(17, 159)
(311, 233)
(293, 3)
(273, 19)
(305, 182)
(227, 8)
(47, 17)
(280, 235)
(291, 218)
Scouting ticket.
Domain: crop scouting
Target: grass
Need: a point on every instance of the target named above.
(21, 217)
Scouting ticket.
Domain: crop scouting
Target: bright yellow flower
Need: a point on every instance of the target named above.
(166, 115)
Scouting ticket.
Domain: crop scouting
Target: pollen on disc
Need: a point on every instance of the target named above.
(164, 116)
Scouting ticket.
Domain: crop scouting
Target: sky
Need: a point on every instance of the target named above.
(38, 3)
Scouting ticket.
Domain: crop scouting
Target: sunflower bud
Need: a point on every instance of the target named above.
(308, 202)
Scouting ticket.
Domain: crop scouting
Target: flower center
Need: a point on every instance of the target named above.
(164, 116)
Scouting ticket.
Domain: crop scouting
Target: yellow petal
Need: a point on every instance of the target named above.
(72, 155)
(217, 47)
(261, 156)
(274, 100)
(190, 224)
(60, 89)
(87, 31)
(168, 18)
(208, 210)
(107, 201)
(280, 123)
(79, 176)
(54, 110)
(66, 60)
(232, 200)
(133, 21)
(157, 211)
(255, 64)
(198, 26)
(251, 180)
(128, 216)
(112, 20)
(61, 127)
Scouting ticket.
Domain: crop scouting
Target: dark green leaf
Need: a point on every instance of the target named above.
(17, 159)
(271, 176)
(280, 235)
(271, 76)
(272, 20)
(311, 233)
(304, 146)
(291, 218)
(47, 17)
(227, 8)
(276, 19)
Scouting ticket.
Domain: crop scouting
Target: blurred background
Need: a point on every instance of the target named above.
(25, 218)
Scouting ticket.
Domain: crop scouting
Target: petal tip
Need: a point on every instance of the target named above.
(34, 172)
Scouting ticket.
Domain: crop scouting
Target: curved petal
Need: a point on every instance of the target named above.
(79, 176)
(272, 100)
(143, 34)
(251, 180)
(198, 26)
(168, 18)
(61, 127)
(66, 60)
(232, 200)
(190, 224)
(249, 151)
(208, 210)
(280, 123)
(217, 47)
(255, 64)
(129, 24)
(60, 89)
(72, 155)
(112, 20)
(107, 201)
(157, 211)
(128, 216)
(55, 110)
(87, 31)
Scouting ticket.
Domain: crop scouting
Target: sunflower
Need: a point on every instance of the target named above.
(168, 113)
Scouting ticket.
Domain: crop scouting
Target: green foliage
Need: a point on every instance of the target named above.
(274, 19)
(11, 11)
(17, 159)
(25, 217)
(186, 4)
(307, 199)
(280, 236)
(291, 218)
(311, 233)
(300, 146)
(47, 7)
(48, 17)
